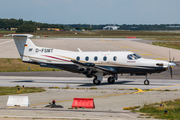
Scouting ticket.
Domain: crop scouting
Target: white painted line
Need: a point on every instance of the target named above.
(128, 115)
(40, 117)
(6, 42)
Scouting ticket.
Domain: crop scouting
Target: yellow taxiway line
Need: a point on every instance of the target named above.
(146, 54)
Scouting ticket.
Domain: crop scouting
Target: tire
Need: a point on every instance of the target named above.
(146, 82)
(96, 82)
(111, 80)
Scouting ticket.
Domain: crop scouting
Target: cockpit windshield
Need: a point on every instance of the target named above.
(133, 56)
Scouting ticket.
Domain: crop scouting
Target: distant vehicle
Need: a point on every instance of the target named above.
(91, 64)
(56, 29)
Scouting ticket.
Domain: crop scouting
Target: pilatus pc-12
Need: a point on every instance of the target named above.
(91, 64)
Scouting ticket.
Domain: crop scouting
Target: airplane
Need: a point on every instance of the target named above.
(91, 64)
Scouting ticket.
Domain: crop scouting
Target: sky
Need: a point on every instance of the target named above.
(93, 11)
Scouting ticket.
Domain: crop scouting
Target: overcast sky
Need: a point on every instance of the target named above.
(93, 11)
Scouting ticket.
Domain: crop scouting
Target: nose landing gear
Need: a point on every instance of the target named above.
(146, 82)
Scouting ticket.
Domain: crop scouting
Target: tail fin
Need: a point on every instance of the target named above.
(24, 45)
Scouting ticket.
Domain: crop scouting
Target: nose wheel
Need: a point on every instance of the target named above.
(146, 82)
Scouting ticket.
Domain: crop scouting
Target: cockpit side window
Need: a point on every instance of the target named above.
(137, 56)
(133, 57)
(130, 57)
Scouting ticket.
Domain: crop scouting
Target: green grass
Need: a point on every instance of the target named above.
(14, 90)
(16, 65)
(5, 32)
(172, 108)
(174, 45)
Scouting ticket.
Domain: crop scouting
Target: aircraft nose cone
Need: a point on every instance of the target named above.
(172, 64)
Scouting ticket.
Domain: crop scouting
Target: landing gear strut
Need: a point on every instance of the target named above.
(146, 82)
(98, 78)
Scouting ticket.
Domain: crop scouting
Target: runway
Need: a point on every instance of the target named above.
(82, 82)
(109, 98)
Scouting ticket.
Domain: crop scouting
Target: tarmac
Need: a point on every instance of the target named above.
(109, 99)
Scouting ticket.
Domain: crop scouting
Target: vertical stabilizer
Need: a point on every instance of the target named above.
(24, 45)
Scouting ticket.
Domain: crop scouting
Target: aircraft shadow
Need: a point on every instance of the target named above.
(105, 83)
(24, 81)
(91, 84)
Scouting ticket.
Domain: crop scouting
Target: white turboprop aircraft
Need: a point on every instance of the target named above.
(91, 64)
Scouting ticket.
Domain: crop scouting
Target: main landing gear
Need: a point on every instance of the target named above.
(111, 80)
(96, 81)
(146, 82)
(99, 76)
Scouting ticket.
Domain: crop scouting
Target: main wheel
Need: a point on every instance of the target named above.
(96, 82)
(146, 82)
(111, 80)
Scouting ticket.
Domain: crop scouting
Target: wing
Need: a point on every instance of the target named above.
(97, 68)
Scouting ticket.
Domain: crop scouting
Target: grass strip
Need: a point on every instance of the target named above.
(16, 65)
(14, 90)
(157, 110)
(174, 45)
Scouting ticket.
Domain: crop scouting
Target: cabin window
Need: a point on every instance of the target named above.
(114, 58)
(95, 58)
(86, 58)
(104, 58)
(77, 58)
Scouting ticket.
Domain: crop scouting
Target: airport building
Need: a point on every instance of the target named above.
(111, 27)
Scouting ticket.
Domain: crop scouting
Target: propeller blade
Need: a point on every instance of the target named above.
(173, 59)
(169, 56)
(171, 64)
(171, 71)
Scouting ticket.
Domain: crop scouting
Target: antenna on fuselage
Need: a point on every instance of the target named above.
(79, 49)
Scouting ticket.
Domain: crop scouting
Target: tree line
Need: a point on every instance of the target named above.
(14, 23)
(150, 27)
(6, 24)
(134, 27)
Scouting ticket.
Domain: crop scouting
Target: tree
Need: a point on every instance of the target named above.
(79, 28)
(88, 28)
(20, 21)
(26, 28)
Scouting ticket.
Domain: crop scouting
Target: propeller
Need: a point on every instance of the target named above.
(171, 64)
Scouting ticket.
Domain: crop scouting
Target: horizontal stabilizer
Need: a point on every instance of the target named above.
(19, 35)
